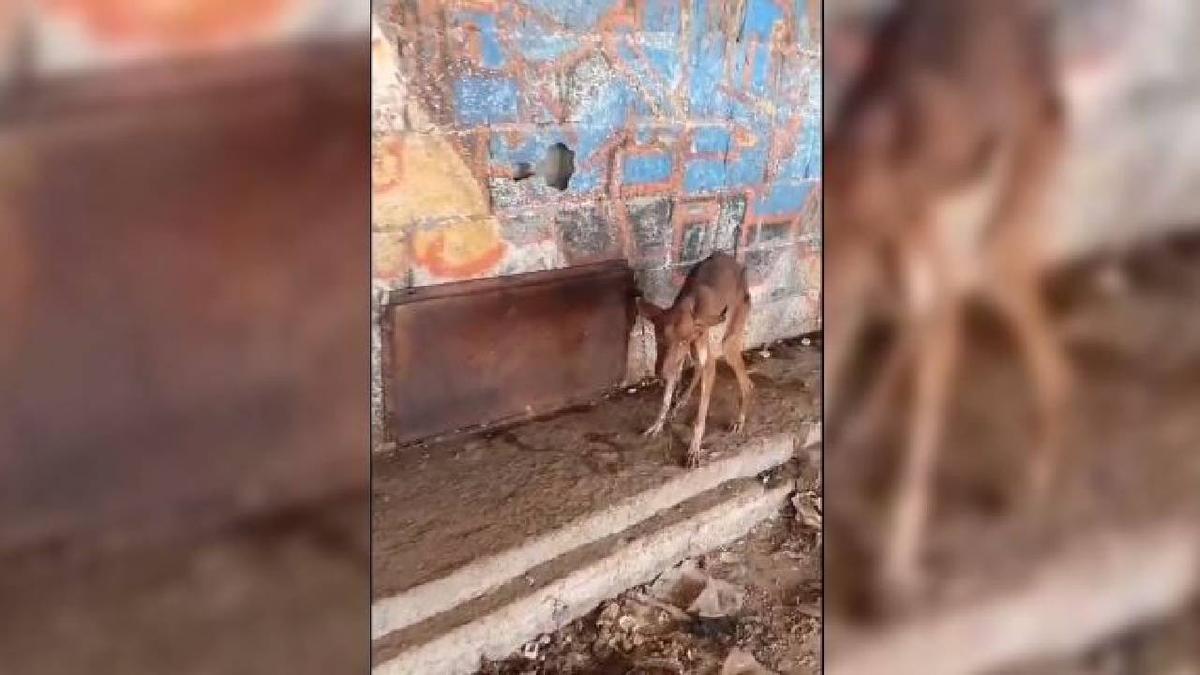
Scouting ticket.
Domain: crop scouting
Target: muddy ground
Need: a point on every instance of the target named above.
(441, 505)
(282, 594)
(1132, 454)
(777, 565)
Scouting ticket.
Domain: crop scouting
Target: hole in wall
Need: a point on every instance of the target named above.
(556, 167)
(559, 165)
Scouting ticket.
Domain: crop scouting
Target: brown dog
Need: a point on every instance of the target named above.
(935, 178)
(707, 320)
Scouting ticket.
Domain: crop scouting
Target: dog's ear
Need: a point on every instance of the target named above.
(649, 310)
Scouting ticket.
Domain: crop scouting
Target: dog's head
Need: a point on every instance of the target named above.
(675, 329)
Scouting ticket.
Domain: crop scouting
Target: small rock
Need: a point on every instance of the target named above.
(609, 613)
(678, 584)
(718, 599)
(807, 509)
(805, 341)
(741, 662)
(530, 650)
(766, 353)
(631, 390)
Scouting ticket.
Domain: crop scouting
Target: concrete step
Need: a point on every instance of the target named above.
(559, 589)
(1093, 590)
(419, 603)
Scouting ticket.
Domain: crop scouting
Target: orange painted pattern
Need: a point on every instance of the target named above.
(461, 251)
(179, 23)
(421, 177)
(387, 162)
(390, 253)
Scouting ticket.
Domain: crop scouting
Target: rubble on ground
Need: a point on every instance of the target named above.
(750, 608)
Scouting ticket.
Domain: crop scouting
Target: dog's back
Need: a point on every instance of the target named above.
(719, 285)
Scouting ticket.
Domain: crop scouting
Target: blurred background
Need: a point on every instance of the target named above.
(184, 266)
(1103, 579)
(184, 270)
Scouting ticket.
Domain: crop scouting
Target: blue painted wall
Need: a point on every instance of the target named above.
(695, 126)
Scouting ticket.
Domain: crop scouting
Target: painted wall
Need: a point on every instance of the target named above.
(695, 126)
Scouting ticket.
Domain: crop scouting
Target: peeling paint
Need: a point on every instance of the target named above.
(695, 126)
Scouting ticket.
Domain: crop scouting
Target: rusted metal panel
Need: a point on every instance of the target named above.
(483, 351)
(185, 328)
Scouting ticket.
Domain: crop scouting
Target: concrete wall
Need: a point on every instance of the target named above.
(1133, 78)
(695, 126)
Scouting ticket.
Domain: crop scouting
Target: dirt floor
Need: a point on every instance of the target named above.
(286, 594)
(436, 507)
(1133, 330)
(776, 568)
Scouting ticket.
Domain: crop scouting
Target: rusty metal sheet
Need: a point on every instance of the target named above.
(478, 352)
(185, 266)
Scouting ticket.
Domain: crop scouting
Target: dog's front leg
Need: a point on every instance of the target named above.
(708, 371)
(691, 388)
(674, 366)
